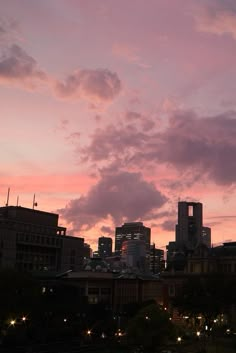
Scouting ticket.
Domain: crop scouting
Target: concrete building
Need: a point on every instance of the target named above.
(190, 231)
(132, 231)
(189, 227)
(105, 247)
(32, 240)
(133, 254)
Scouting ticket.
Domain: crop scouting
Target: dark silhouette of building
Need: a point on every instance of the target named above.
(189, 227)
(104, 247)
(206, 236)
(190, 231)
(31, 240)
(157, 262)
(132, 231)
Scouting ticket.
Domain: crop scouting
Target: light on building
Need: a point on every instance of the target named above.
(198, 333)
(179, 339)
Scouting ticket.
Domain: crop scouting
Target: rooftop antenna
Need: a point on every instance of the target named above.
(8, 195)
(35, 204)
(17, 201)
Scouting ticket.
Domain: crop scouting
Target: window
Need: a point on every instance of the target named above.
(190, 210)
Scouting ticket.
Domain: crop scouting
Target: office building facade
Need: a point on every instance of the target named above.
(31, 240)
(104, 247)
(132, 231)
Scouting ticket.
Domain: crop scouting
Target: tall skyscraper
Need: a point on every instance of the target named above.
(130, 231)
(189, 227)
(104, 247)
(190, 231)
(133, 254)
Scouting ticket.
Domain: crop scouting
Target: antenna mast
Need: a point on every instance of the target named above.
(8, 195)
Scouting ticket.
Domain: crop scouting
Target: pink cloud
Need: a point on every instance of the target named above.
(204, 147)
(119, 195)
(95, 85)
(218, 17)
(100, 85)
(18, 67)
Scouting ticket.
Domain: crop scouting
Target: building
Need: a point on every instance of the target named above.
(206, 236)
(72, 253)
(132, 231)
(201, 265)
(157, 262)
(133, 254)
(105, 247)
(32, 240)
(190, 232)
(189, 227)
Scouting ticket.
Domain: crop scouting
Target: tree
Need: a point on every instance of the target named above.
(206, 296)
(150, 328)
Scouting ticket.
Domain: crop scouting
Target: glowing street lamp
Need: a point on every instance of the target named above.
(198, 333)
(12, 322)
(179, 339)
(89, 332)
(23, 318)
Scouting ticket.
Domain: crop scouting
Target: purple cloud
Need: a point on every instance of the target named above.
(122, 196)
(107, 230)
(17, 65)
(100, 85)
(201, 146)
(217, 17)
(169, 225)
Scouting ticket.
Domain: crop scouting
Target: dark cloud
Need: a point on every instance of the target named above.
(17, 65)
(122, 196)
(108, 230)
(169, 225)
(100, 85)
(205, 147)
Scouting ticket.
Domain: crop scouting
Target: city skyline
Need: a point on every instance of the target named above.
(112, 112)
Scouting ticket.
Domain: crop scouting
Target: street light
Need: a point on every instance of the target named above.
(12, 322)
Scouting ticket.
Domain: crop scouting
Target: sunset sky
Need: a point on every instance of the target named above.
(112, 111)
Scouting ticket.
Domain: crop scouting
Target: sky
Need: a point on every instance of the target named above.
(113, 111)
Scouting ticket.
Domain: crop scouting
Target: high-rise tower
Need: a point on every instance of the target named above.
(104, 247)
(189, 227)
(130, 231)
